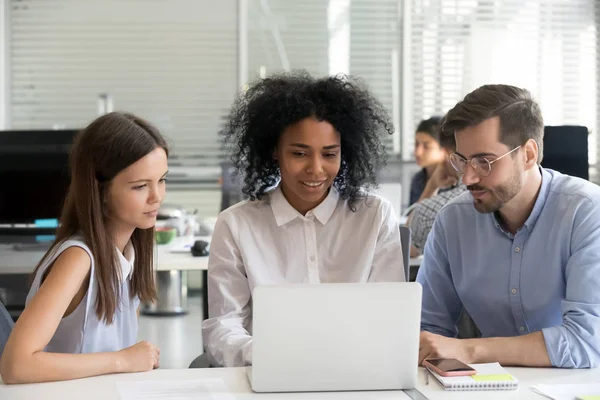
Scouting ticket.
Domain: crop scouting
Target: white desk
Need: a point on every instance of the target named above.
(166, 260)
(415, 262)
(24, 262)
(104, 387)
(171, 278)
(527, 377)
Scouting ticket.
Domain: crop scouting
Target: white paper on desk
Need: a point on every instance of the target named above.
(198, 389)
(567, 391)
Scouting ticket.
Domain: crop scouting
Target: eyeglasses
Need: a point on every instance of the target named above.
(481, 165)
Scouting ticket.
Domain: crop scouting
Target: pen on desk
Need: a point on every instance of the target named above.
(426, 376)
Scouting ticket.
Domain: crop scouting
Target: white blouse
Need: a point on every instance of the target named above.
(269, 242)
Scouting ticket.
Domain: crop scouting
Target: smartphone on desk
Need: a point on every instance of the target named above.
(448, 367)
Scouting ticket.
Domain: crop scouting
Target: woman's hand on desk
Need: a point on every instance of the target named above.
(141, 357)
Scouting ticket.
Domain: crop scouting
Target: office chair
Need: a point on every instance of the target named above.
(405, 243)
(201, 362)
(566, 150)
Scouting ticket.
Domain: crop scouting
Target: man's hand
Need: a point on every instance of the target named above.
(437, 346)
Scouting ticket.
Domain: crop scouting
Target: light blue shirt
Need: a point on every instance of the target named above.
(545, 278)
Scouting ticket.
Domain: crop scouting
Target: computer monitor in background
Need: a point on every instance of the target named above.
(566, 150)
(34, 174)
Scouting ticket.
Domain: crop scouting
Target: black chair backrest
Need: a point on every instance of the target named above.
(405, 243)
(566, 150)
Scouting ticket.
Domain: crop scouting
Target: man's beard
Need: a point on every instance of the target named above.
(500, 195)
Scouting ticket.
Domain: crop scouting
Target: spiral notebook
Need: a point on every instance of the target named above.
(489, 377)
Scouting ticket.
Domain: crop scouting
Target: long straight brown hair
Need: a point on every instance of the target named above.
(104, 148)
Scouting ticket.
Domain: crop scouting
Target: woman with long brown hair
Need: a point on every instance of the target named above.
(81, 313)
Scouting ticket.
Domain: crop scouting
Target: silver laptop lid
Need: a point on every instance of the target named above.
(324, 337)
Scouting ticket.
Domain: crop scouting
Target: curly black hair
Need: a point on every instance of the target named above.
(259, 116)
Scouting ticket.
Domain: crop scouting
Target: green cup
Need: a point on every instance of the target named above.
(165, 235)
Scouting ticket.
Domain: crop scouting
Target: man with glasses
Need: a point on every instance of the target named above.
(520, 251)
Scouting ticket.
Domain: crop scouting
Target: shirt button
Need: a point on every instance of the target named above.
(514, 291)
(517, 249)
(522, 329)
(312, 258)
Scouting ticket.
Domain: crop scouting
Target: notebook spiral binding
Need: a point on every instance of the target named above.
(483, 386)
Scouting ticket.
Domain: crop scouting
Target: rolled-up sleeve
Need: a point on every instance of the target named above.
(226, 338)
(576, 342)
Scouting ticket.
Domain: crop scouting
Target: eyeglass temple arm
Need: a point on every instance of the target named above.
(501, 157)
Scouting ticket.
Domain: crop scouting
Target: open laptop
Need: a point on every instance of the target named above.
(338, 337)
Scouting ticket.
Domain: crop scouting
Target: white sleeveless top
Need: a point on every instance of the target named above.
(82, 331)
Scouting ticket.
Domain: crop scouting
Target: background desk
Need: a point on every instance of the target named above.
(24, 261)
(171, 279)
(236, 381)
(171, 271)
(171, 274)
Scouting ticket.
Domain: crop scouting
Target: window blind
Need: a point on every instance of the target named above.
(173, 62)
(546, 46)
(358, 37)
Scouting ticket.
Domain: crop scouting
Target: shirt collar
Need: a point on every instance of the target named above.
(126, 259)
(540, 202)
(325, 210)
(284, 212)
(537, 207)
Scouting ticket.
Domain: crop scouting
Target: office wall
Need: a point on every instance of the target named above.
(171, 61)
(179, 62)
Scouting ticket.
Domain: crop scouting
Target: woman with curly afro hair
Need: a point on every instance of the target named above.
(308, 149)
